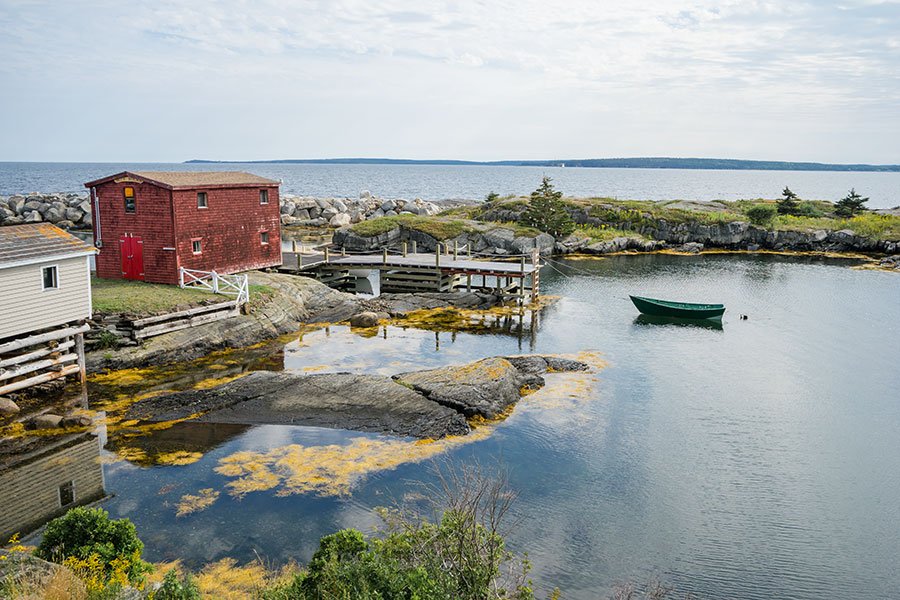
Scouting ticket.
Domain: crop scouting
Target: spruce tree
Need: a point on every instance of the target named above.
(788, 204)
(850, 205)
(547, 211)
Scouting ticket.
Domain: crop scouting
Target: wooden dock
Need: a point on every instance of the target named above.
(418, 272)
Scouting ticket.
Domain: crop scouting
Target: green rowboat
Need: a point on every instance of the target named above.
(682, 310)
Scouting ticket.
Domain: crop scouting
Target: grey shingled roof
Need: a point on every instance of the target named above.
(193, 179)
(25, 244)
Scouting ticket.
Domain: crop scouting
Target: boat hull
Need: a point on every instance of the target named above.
(681, 310)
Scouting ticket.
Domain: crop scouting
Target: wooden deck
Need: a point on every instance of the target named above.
(422, 272)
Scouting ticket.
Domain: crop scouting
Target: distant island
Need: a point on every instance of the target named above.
(618, 163)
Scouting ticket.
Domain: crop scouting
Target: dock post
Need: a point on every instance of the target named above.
(326, 253)
(437, 257)
(384, 256)
(404, 249)
(469, 282)
(294, 246)
(522, 281)
(343, 251)
(535, 275)
(414, 247)
(82, 369)
(455, 249)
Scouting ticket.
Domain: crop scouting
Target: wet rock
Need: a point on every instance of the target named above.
(74, 420)
(538, 365)
(8, 407)
(45, 421)
(339, 400)
(364, 319)
(484, 388)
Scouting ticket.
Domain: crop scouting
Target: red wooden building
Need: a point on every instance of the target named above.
(147, 225)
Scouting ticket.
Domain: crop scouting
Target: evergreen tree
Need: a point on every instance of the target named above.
(547, 211)
(788, 204)
(492, 197)
(850, 205)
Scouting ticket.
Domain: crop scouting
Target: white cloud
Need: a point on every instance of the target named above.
(652, 77)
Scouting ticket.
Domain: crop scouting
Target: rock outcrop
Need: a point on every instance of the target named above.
(425, 404)
(308, 211)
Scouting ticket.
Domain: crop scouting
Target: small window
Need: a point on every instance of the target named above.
(67, 494)
(263, 196)
(201, 200)
(130, 203)
(264, 238)
(51, 278)
(197, 246)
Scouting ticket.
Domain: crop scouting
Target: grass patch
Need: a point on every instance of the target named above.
(605, 234)
(436, 227)
(517, 229)
(875, 226)
(111, 296)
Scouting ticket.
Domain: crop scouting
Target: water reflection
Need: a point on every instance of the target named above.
(654, 320)
(48, 478)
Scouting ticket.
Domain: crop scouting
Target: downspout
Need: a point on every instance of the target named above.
(175, 234)
(95, 218)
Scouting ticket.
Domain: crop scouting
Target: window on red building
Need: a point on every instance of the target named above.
(196, 245)
(264, 238)
(202, 200)
(263, 196)
(130, 201)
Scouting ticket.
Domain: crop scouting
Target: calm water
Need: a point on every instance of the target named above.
(440, 182)
(758, 460)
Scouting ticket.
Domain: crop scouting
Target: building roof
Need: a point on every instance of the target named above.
(191, 179)
(38, 242)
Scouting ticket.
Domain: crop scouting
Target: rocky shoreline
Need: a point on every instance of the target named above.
(426, 404)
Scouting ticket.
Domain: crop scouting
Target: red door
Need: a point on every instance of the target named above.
(132, 248)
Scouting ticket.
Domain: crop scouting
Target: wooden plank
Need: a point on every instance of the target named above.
(36, 366)
(43, 378)
(23, 358)
(183, 313)
(193, 321)
(42, 338)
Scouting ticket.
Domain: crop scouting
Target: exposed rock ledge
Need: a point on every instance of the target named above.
(425, 404)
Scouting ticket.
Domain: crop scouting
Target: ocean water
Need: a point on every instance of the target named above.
(436, 182)
(756, 460)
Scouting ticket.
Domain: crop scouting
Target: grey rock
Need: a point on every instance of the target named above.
(340, 220)
(73, 214)
(484, 388)
(75, 420)
(387, 205)
(33, 217)
(8, 407)
(364, 319)
(328, 213)
(302, 214)
(45, 421)
(390, 213)
(339, 206)
(365, 195)
(288, 207)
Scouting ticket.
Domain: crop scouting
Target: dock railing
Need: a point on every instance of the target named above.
(226, 285)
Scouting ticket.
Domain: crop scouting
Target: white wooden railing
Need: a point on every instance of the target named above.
(227, 285)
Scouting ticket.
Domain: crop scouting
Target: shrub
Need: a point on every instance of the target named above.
(173, 588)
(492, 197)
(90, 538)
(808, 209)
(762, 215)
(548, 212)
(850, 205)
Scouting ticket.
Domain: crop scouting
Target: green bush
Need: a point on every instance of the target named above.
(173, 588)
(788, 204)
(88, 534)
(762, 215)
(808, 209)
(850, 205)
(492, 197)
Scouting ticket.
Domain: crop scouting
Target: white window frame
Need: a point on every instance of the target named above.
(55, 277)
(268, 237)
(263, 192)
(205, 200)
(197, 241)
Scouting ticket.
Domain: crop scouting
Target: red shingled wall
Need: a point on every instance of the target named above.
(152, 221)
(229, 230)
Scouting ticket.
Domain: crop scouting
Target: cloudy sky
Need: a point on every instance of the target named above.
(158, 80)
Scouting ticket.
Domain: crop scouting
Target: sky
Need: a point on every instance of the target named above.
(160, 80)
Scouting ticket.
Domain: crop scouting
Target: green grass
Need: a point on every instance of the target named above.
(111, 296)
(605, 234)
(516, 228)
(436, 227)
(879, 227)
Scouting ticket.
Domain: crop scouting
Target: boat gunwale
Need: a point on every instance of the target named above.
(679, 305)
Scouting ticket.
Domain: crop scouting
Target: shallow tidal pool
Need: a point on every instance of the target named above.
(760, 459)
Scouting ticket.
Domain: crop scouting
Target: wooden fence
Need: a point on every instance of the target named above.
(41, 358)
(147, 327)
(228, 285)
